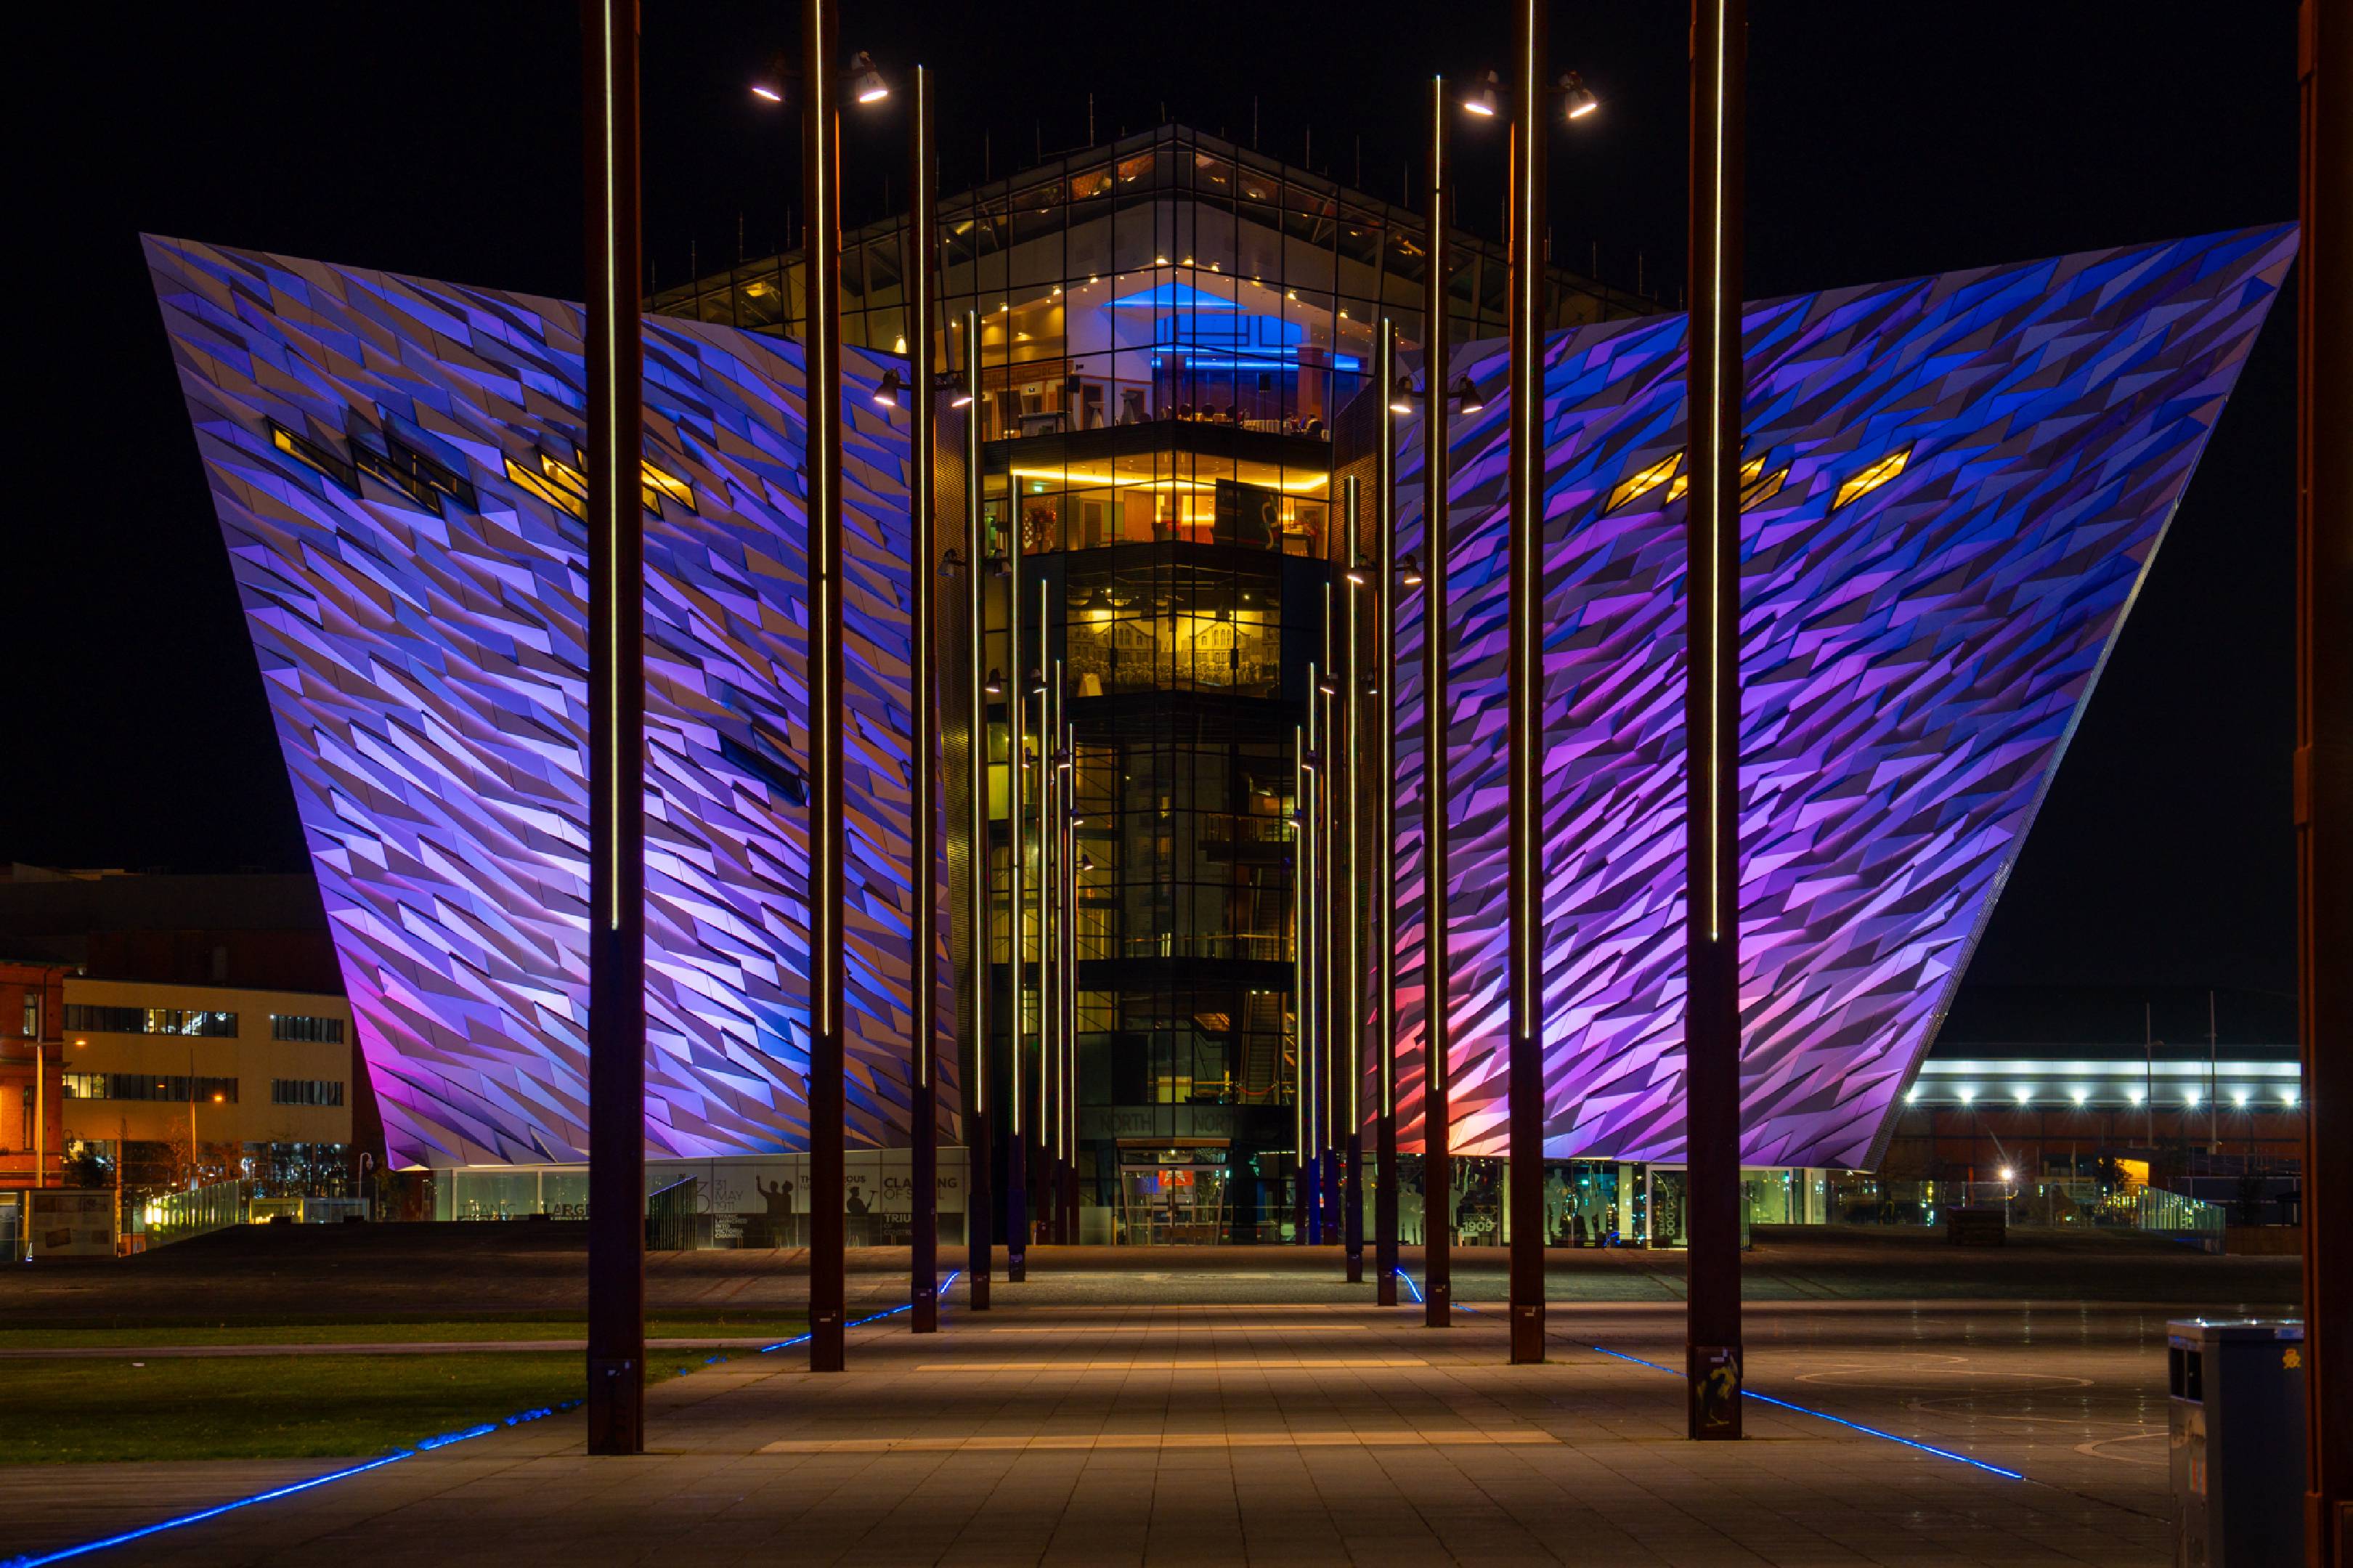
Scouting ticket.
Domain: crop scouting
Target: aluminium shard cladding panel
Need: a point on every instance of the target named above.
(425, 665)
(1915, 658)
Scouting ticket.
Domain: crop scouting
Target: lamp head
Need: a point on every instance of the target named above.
(1577, 99)
(866, 83)
(1466, 391)
(1409, 570)
(1485, 99)
(887, 390)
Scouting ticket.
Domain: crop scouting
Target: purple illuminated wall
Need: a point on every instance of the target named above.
(414, 585)
(1914, 660)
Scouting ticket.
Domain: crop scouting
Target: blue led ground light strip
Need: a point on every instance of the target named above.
(1785, 1405)
(423, 1445)
(1833, 1420)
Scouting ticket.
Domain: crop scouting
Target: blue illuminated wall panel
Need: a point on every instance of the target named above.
(1957, 483)
(388, 457)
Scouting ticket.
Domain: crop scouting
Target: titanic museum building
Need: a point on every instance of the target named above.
(1952, 487)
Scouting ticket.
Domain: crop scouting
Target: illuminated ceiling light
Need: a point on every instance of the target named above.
(1872, 477)
(1409, 570)
(1486, 101)
(1159, 261)
(2134, 1096)
(886, 391)
(1912, 1095)
(2239, 1098)
(866, 83)
(900, 345)
(2190, 1097)
(2023, 1095)
(1969, 1095)
(1466, 391)
(2008, 1175)
(2078, 1096)
(2287, 1096)
(1577, 97)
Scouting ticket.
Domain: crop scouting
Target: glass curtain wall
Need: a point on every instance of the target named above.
(1169, 276)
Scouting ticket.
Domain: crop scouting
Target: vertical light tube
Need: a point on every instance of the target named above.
(923, 709)
(1436, 710)
(821, 260)
(1351, 990)
(612, 366)
(979, 1218)
(1016, 746)
(1383, 767)
(1713, 1355)
(1524, 1073)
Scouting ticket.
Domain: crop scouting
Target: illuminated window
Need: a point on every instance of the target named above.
(311, 454)
(562, 500)
(1646, 481)
(1872, 477)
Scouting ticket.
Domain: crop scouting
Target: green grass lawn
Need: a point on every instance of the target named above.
(265, 1407)
(764, 1325)
(278, 1407)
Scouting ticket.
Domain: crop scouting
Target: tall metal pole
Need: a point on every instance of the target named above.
(1384, 863)
(1017, 749)
(1351, 1035)
(1069, 1124)
(1054, 808)
(821, 253)
(1712, 722)
(979, 1217)
(2324, 770)
(1525, 1071)
(1437, 707)
(1311, 1051)
(1330, 1008)
(1299, 982)
(612, 366)
(923, 307)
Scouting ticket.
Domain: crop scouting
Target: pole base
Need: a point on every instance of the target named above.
(1713, 1374)
(1355, 1265)
(1384, 1288)
(1438, 1304)
(926, 1311)
(826, 1349)
(1527, 1333)
(616, 1406)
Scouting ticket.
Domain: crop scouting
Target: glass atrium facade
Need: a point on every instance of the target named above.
(1169, 328)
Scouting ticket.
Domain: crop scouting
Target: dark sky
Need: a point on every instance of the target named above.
(441, 139)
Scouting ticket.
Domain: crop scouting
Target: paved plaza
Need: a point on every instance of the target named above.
(1082, 1421)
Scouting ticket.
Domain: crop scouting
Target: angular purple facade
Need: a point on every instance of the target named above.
(1954, 487)
(392, 461)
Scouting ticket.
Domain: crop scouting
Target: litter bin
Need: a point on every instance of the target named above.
(2236, 1442)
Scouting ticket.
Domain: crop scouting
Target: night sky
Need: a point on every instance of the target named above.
(442, 139)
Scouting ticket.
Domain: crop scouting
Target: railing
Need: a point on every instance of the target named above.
(198, 1211)
(670, 1224)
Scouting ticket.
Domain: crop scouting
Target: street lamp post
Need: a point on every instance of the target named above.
(1712, 724)
(1383, 752)
(923, 304)
(611, 366)
(979, 1219)
(1437, 1114)
(1525, 1067)
(1351, 1035)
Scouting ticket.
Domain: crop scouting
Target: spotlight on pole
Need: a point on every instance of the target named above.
(995, 684)
(1409, 570)
(1466, 391)
(886, 391)
(1578, 98)
(1486, 100)
(866, 83)
(1402, 395)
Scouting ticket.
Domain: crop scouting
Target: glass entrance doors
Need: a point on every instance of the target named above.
(1174, 1193)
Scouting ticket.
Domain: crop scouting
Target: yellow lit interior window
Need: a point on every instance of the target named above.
(1872, 477)
(1646, 481)
(1749, 472)
(574, 480)
(1755, 491)
(557, 496)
